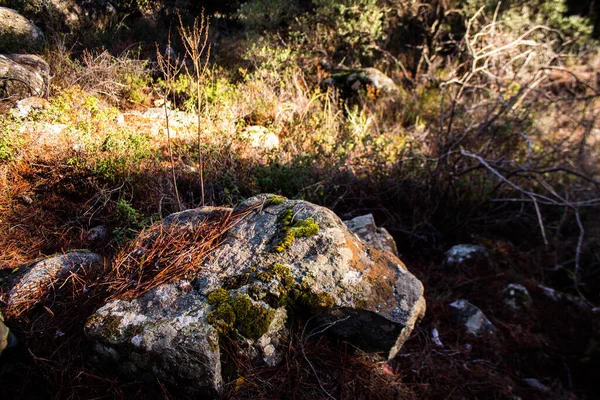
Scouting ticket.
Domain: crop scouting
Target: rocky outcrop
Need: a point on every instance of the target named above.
(26, 286)
(281, 255)
(18, 34)
(23, 75)
(364, 227)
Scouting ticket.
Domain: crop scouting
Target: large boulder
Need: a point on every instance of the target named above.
(18, 34)
(23, 75)
(281, 255)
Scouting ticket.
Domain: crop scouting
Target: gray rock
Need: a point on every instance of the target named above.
(537, 385)
(31, 284)
(464, 252)
(364, 227)
(23, 75)
(355, 80)
(161, 334)
(74, 15)
(194, 216)
(46, 133)
(97, 233)
(68, 12)
(475, 321)
(260, 137)
(516, 296)
(557, 296)
(26, 199)
(18, 34)
(246, 286)
(25, 107)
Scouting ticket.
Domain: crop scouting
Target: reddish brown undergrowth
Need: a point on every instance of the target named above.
(164, 253)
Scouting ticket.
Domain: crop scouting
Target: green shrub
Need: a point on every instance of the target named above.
(257, 14)
(11, 140)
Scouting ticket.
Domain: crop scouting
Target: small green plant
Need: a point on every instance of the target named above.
(127, 214)
(11, 141)
(130, 221)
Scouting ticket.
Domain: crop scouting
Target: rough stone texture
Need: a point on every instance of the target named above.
(364, 294)
(18, 34)
(464, 252)
(475, 321)
(68, 11)
(364, 227)
(577, 301)
(29, 285)
(516, 296)
(23, 75)
(161, 334)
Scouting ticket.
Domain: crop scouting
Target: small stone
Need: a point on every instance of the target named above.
(97, 233)
(537, 385)
(78, 148)
(474, 320)
(260, 137)
(516, 296)
(464, 252)
(26, 200)
(435, 337)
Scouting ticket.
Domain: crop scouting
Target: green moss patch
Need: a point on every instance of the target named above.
(275, 200)
(290, 231)
(251, 320)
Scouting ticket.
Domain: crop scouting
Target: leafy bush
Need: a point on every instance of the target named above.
(345, 29)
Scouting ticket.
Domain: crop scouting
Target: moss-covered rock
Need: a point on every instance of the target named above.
(247, 291)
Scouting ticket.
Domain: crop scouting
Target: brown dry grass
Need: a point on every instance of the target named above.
(165, 253)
